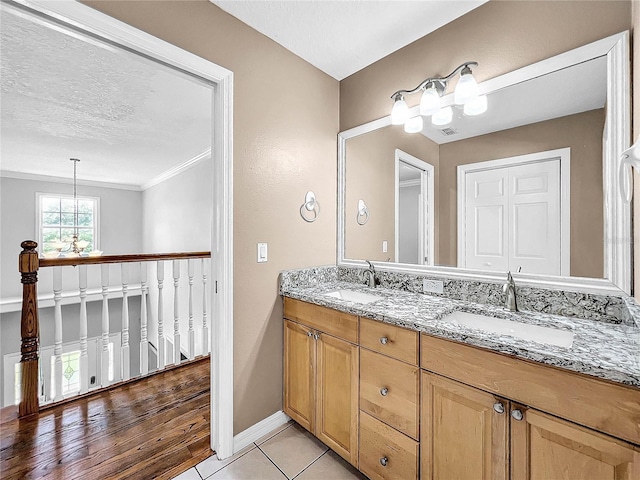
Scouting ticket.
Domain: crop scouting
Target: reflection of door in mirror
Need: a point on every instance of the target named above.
(514, 214)
(414, 224)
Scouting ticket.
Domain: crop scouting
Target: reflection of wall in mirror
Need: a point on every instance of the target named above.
(583, 134)
(370, 175)
(636, 136)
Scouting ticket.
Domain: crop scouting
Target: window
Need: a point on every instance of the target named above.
(56, 221)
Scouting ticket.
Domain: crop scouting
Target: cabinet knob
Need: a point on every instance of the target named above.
(498, 407)
(384, 461)
(517, 414)
(316, 336)
(384, 340)
(384, 391)
(309, 334)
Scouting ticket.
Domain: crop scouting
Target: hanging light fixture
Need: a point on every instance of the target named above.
(75, 246)
(433, 89)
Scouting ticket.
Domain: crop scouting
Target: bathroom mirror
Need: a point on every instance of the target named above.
(559, 125)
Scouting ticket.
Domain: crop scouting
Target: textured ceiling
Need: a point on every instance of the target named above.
(342, 37)
(128, 119)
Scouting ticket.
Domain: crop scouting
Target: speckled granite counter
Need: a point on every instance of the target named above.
(601, 349)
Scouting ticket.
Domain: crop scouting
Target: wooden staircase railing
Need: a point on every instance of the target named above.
(29, 264)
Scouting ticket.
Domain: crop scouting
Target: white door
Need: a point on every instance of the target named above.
(513, 218)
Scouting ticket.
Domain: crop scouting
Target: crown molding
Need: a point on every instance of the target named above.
(177, 170)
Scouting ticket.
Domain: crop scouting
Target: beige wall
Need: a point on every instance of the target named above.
(371, 177)
(285, 126)
(583, 134)
(501, 35)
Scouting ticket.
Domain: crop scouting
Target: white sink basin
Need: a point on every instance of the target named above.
(501, 326)
(353, 296)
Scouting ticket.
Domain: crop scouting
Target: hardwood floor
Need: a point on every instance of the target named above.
(156, 427)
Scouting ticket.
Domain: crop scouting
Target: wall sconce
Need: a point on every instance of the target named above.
(433, 88)
(310, 205)
(628, 159)
(363, 213)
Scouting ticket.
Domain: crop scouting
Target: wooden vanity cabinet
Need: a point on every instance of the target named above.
(483, 433)
(321, 375)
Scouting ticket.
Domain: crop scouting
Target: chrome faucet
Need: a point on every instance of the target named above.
(370, 274)
(509, 289)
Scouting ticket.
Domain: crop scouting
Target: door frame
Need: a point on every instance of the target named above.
(427, 246)
(561, 154)
(87, 19)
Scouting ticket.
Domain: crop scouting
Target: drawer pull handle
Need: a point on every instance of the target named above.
(384, 391)
(498, 407)
(517, 414)
(384, 340)
(384, 461)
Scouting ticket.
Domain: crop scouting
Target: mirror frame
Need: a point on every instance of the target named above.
(617, 215)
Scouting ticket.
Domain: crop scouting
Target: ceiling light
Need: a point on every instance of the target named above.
(414, 125)
(442, 116)
(400, 111)
(476, 106)
(467, 88)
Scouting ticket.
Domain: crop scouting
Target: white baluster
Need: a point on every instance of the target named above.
(104, 361)
(176, 313)
(144, 344)
(125, 364)
(205, 325)
(192, 333)
(57, 335)
(84, 359)
(161, 342)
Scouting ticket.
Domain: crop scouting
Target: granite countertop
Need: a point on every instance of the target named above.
(601, 349)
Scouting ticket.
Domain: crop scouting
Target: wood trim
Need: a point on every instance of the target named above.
(102, 259)
(607, 407)
(333, 322)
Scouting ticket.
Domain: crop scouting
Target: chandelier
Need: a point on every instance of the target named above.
(75, 246)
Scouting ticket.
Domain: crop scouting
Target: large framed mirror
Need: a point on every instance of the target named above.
(556, 126)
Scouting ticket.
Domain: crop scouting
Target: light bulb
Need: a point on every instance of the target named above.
(467, 87)
(414, 125)
(400, 111)
(430, 101)
(442, 116)
(476, 106)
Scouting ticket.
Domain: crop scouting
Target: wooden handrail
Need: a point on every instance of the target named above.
(29, 329)
(143, 257)
(28, 265)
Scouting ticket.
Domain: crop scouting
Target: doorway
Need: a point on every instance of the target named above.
(414, 217)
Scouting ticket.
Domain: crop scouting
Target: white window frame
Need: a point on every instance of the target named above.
(96, 216)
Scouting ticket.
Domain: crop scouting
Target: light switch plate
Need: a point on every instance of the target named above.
(385, 246)
(263, 252)
(432, 286)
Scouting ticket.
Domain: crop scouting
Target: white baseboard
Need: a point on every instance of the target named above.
(259, 430)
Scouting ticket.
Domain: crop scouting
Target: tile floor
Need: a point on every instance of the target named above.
(286, 453)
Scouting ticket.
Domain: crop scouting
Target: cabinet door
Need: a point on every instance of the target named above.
(545, 447)
(337, 396)
(463, 436)
(299, 374)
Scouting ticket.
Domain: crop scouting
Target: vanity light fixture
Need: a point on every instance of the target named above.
(414, 125)
(433, 88)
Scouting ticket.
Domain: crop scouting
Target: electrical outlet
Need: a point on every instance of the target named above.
(432, 286)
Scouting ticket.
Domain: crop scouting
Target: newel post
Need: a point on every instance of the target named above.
(28, 267)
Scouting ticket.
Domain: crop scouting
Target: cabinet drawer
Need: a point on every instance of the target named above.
(333, 322)
(396, 342)
(606, 407)
(386, 453)
(389, 391)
